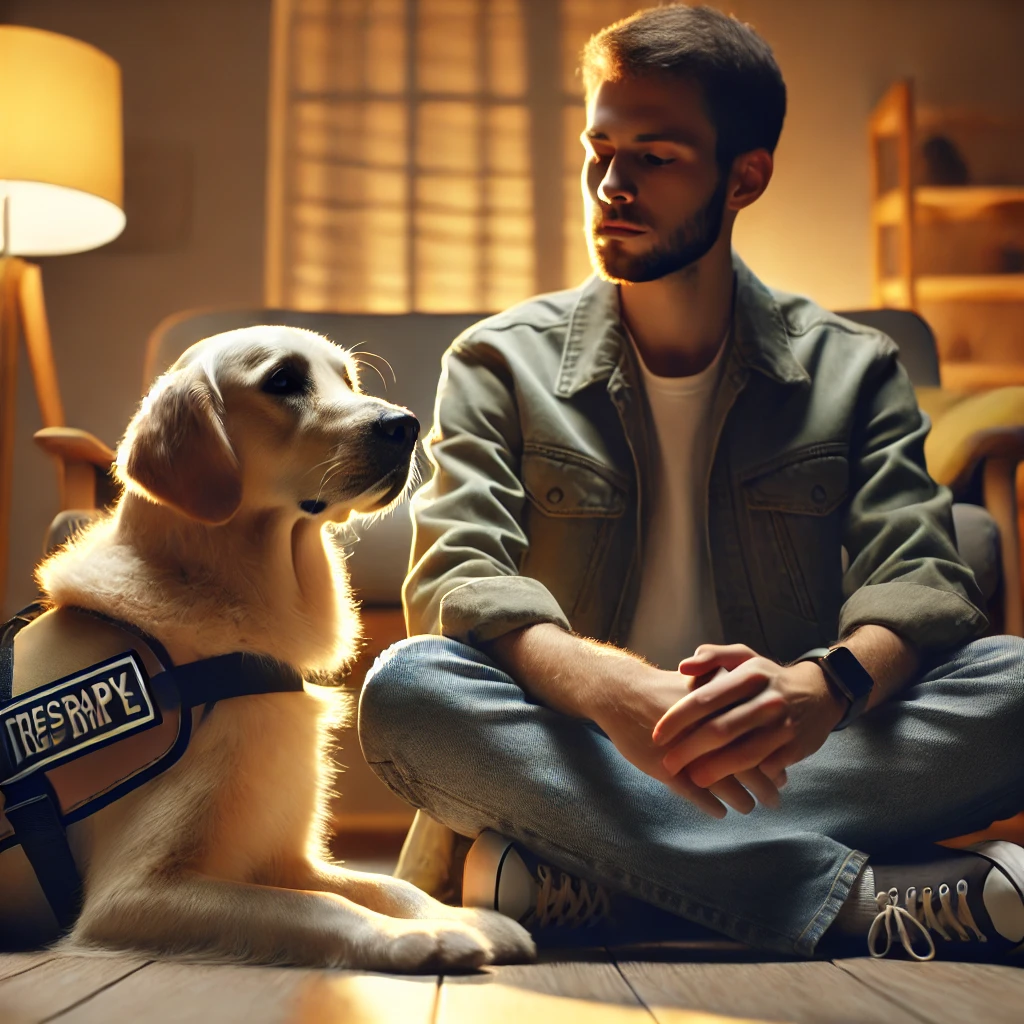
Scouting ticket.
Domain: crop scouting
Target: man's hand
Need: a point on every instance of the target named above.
(744, 712)
(629, 719)
(626, 697)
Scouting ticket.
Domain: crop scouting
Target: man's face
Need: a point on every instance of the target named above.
(653, 196)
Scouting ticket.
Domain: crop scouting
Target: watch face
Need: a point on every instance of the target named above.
(843, 663)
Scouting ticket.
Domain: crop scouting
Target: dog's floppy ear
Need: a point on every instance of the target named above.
(177, 453)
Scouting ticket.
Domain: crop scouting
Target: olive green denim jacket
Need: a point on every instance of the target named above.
(541, 482)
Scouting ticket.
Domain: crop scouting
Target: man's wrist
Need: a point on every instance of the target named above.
(837, 704)
(846, 677)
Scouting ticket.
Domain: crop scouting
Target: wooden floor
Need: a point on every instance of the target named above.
(597, 989)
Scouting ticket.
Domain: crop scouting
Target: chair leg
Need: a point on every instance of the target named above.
(79, 490)
(999, 486)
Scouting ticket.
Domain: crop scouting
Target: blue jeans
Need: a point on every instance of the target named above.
(452, 733)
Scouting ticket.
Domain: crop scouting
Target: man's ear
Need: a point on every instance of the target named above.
(176, 452)
(750, 175)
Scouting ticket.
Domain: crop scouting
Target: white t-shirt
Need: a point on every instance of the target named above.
(676, 610)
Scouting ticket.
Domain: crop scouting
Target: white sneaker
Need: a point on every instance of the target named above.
(560, 909)
(500, 875)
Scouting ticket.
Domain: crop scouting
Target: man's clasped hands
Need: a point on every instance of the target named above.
(734, 723)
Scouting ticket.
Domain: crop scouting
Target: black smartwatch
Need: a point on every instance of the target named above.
(846, 676)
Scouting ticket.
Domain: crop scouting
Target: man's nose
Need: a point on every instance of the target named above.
(615, 187)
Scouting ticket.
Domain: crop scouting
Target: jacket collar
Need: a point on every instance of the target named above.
(595, 336)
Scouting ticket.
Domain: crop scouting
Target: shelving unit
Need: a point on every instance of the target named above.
(903, 208)
(953, 288)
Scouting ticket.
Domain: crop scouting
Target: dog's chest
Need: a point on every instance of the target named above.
(260, 761)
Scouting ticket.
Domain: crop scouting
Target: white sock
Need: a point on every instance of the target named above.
(859, 910)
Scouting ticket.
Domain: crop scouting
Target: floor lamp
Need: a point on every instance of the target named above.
(61, 170)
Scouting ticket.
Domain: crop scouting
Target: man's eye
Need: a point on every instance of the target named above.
(656, 161)
(285, 380)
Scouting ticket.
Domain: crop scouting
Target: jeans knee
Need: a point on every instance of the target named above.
(1011, 661)
(999, 657)
(400, 694)
(994, 668)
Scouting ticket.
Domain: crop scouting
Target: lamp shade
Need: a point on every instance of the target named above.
(61, 150)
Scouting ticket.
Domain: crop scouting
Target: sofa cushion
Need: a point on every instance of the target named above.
(977, 540)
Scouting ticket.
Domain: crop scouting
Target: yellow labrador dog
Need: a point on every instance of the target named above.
(233, 467)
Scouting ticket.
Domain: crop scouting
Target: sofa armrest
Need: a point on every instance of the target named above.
(984, 429)
(969, 429)
(82, 460)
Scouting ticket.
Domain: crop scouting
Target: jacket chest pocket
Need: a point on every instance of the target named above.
(794, 516)
(573, 513)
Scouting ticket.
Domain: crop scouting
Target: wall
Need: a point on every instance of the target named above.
(195, 78)
(195, 89)
(809, 233)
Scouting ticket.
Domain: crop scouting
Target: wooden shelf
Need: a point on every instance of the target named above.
(957, 288)
(953, 202)
(980, 376)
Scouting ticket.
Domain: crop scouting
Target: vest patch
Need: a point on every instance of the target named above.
(62, 720)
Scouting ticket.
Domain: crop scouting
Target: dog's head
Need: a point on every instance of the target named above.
(266, 418)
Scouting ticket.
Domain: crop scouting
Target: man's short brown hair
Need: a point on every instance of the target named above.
(730, 63)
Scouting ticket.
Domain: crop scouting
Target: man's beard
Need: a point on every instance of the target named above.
(688, 243)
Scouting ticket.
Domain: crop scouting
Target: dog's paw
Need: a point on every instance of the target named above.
(437, 946)
(510, 941)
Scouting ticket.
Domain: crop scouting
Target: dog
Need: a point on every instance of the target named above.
(236, 468)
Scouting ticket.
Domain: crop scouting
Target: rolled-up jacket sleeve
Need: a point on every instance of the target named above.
(468, 534)
(904, 570)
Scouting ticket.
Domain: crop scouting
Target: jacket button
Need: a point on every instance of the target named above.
(818, 494)
(555, 495)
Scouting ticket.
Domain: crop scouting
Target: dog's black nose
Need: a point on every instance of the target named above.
(398, 428)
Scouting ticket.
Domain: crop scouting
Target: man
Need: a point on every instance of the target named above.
(671, 459)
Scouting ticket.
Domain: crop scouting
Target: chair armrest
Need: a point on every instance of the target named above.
(72, 445)
(973, 429)
(83, 462)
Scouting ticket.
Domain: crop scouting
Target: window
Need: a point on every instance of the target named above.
(424, 154)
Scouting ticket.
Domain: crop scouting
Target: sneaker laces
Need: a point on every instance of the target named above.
(573, 902)
(920, 914)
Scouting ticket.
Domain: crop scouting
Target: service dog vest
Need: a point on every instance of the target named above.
(90, 709)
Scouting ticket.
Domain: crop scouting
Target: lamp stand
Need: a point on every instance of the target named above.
(22, 314)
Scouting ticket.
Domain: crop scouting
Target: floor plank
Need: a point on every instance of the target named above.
(57, 983)
(173, 993)
(566, 992)
(365, 999)
(18, 963)
(799, 992)
(944, 992)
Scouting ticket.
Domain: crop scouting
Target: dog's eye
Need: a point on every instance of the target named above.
(286, 380)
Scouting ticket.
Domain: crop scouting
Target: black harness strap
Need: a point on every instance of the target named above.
(232, 675)
(30, 804)
(33, 812)
(10, 630)
(213, 679)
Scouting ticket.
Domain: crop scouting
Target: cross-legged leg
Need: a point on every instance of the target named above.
(454, 734)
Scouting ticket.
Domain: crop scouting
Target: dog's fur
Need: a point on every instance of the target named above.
(208, 550)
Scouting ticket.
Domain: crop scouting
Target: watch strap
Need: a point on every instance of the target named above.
(844, 675)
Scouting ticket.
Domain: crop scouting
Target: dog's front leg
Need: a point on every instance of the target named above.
(397, 898)
(219, 920)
